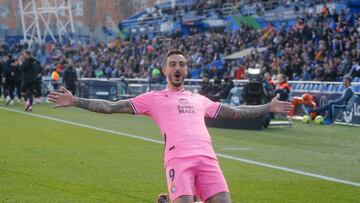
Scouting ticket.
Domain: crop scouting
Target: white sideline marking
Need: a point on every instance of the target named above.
(236, 148)
(218, 154)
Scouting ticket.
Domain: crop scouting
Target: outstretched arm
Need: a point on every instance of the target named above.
(245, 112)
(66, 99)
(242, 112)
(104, 106)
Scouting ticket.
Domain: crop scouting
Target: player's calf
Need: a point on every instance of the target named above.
(222, 197)
(164, 198)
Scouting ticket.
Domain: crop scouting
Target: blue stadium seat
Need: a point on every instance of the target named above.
(329, 88)
(295, 86)
(306, 87)
(315, 87)
(310, 87)
(321, 87)
(339, 88)
(301, 86)
(357, 88)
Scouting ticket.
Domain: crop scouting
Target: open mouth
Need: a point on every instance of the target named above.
(177, 75)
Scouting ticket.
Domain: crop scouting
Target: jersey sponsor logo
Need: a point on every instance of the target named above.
(185, 107)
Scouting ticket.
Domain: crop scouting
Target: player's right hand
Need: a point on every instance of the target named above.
(62, 98)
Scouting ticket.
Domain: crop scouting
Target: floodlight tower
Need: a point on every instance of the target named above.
(42, 18)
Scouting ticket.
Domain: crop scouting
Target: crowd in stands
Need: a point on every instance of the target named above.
(321, 47)
(243, 7)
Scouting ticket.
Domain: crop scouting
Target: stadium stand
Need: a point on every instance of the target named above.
(319, 46)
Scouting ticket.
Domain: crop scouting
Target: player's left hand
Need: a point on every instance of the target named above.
(277, 106)
(62, 98)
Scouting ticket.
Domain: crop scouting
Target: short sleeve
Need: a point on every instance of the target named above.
(141, 104)
(211, 108)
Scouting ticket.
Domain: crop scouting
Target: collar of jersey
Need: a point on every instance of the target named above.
(172, 90)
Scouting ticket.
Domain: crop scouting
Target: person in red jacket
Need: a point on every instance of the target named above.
(282, 88)
(307, 100)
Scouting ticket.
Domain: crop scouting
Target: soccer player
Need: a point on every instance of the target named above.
(190, 161)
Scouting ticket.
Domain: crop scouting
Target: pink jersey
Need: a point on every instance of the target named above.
(180, 117)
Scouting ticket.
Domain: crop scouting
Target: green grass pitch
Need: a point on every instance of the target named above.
(43, 160)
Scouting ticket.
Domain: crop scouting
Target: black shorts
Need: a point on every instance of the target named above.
(27, 86)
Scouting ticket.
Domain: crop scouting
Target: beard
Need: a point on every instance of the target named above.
(176, 82)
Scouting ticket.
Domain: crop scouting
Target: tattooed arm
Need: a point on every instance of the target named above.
(103, 106)
(66, 99)
(244, 112)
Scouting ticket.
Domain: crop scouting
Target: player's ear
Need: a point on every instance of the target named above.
(164, 69)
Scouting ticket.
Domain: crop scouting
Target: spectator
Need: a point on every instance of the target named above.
(282, 88)
(70, 77)
(225, 88)
(55, 79)
(216, 88)
(319, 47)
(269, 87)
(355, 69)
(206, 87)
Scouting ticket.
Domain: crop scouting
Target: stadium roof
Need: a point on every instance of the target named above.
(243, 53)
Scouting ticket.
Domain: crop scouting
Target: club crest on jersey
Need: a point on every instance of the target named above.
(185, 107)
(173, 188)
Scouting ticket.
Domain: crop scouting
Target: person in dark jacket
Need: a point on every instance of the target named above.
(341, 102)
(70, 77)
(225, 88)
(38, 83)
(214, 94)
(16, 69)
(28, 78)
(9, 75)
(206, 86)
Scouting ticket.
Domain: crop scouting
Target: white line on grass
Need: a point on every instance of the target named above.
(218, 154)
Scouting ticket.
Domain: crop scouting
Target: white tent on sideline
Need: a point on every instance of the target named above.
(242, 53)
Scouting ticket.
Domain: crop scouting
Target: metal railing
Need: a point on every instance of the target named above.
(130, 87)
(137, 86)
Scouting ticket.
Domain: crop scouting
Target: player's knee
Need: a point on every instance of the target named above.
(222, 197)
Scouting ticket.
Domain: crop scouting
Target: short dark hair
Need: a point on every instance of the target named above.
(283, 77)
(172, 52)
(348, 77)
(28, 53)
